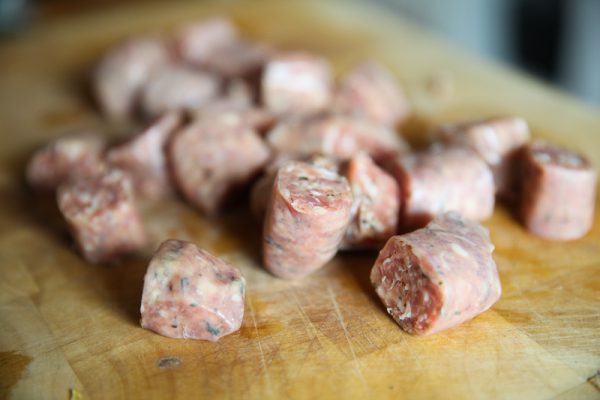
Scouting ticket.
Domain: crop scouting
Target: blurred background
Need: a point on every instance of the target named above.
(555, 40)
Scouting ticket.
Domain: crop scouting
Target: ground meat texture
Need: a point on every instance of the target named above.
(306, 218)
(496, 140)
(65, 158)
(558, 191)
(238, 58)
(124, 70)
(214, 157)
(197, 42)
(296, 84)
(371, 91)
(437, 277)
(143, 157)
(338, 136)
(178, 88)
(376, 204)
(442, 179)
(102, 216)
(191, 294)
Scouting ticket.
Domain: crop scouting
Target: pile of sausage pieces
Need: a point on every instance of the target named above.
(327, 170)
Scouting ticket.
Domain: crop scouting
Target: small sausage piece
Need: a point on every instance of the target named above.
(371, 91)
(338, 136)
(437, 277)
(496, 140)
(296, 83)
(442, 179)
(376, 204)
(124, 70)
(143, 157)
(178, 88)
(102, 215)
(306, 218)
(195, 43)
(63, 158)
(238, 59)
(214, 157)
(191, 294)
(558, 191)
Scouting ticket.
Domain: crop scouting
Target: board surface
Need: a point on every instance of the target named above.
(66, 325)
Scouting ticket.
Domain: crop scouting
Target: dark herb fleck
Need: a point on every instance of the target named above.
(184, 283)
(193, 305)
(303, 178)
(456, 312)
(212, 329)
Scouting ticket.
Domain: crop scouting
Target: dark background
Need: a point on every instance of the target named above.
(555, 40)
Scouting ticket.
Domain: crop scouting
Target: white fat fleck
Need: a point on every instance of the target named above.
(387, 261)
(236, 298)
(407, 312)
(425, 297)
(542, 157)
(459, 250)
(162, 313)
(155, 294)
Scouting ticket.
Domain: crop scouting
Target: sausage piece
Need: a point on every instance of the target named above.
(306, 218)
(213, 157)
(196, 42)
(496, 140)
(437, 277)
(558, 192)
(376, 204)
(296, 83)
(338, 136)
(124, 70)
(143, 157)
(177, 88)
(65, 158)
(442, 179)
(370, 91)
(191, 294)
(102, 215)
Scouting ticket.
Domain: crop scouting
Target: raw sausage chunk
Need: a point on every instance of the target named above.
(124, 70)
(376, 204)
(442, 179)
(102, 216)
(338, 136)
(143, 157)
(196, 42)
(213, 157)
(69, 156)
(191, 294)
(306, 218)
(437, 277)
(558, 192)
(371, 91)
(296, 83)
(178, 88)
(496, 140)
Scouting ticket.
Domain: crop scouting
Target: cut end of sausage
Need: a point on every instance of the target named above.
(191, 294)
(312, 189)
(548, 154)
(409, 296)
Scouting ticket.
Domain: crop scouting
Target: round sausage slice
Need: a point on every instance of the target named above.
(558, 192)
(102, 215)
(306, 218)
(442, 179)
(437, 277)
(191, 294)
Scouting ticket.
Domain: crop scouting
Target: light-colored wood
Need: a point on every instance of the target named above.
(68, 325)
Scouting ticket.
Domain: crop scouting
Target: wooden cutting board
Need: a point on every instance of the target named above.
(66, 325)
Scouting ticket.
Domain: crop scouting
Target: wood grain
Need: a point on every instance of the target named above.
(68, 325)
